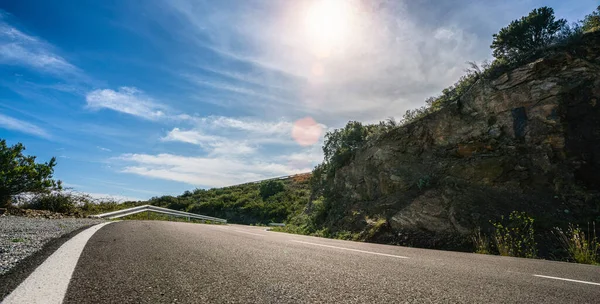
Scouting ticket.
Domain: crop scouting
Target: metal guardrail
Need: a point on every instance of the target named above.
(150, 208)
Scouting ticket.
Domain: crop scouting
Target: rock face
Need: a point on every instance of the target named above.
(528, 140)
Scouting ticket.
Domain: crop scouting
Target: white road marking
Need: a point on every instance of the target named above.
(563, 279)
(48, 283)
(356, 250)
(248, 232)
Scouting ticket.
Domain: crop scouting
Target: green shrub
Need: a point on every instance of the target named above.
(62, 202)
(514, 236)
(581, 248)
(270, 188)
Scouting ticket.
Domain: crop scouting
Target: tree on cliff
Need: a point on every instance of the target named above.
(591, 22)
(340, 144)
(533, 32)
(21, 174)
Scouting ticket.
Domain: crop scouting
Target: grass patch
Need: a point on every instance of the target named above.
(18, 240)
(582, 248)
(481, 243)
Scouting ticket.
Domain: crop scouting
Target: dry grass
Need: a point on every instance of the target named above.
(582, 248)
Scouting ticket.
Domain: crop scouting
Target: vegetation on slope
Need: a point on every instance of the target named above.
(252, 203)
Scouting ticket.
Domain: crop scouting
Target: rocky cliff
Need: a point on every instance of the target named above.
(528, 140)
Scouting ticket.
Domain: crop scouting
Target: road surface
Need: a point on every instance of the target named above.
(169, 262)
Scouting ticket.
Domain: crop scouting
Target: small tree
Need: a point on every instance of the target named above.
(341, 144)
(591, 22)
(270, 188)
(21, 174)
(535, 31)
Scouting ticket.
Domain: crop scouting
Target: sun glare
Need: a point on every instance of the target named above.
(327, 24)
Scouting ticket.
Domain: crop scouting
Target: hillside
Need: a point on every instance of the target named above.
(526, 140)
(244, 204)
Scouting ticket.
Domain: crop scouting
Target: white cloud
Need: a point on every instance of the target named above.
(204, 171)
(306, 158)
(237, 150)
(214, 145)
(103, 149)
(255, 126)
(18, 48)
(22, 126)
(126, 100)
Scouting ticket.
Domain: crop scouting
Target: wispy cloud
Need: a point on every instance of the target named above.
(237, 150)
(238, 89)
(18, 48)
(126, 100)
(203, 171)
(14, 124)
(254, 126)
(214, 145)
(104, 149)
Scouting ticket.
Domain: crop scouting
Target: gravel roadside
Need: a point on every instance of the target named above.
(20, 237)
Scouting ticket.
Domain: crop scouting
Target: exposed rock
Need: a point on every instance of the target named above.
(528, 140)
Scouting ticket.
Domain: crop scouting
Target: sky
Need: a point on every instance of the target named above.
(146, 98)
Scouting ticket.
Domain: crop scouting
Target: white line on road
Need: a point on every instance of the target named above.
(49, 282)
(563, 279)
(248, 232)
(356, 250)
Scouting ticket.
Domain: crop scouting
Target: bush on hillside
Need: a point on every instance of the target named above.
(270, 188)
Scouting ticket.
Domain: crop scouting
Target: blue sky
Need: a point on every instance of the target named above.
(145, 98)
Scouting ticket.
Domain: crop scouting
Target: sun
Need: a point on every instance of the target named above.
(328, 25)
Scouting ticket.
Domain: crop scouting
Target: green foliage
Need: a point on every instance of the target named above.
(515, 236)
(270, 188)
(308, 221)
(70, 202)
(21, 174)
(18, 240)
(523, 36)
(55, 202)
(581, 248)
(243, 204)
(341, 144)
(591, 22)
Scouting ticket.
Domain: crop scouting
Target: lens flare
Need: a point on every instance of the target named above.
(306, 131)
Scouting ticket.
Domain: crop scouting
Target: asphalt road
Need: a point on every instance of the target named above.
(168, 262)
